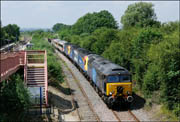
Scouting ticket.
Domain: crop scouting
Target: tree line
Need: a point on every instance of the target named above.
(9, 33)
(145, 46)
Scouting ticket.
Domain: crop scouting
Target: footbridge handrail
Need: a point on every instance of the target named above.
(10, 62)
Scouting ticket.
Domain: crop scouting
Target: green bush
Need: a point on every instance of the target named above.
(166, 56)
(15, 98)
(151, 81)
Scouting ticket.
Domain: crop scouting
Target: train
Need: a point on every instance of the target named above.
(112, 82)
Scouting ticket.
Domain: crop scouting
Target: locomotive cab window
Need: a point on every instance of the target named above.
(113, 79)
(125, 78)
(60, 45)
(116, 78)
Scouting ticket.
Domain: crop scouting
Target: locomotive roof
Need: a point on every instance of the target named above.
(106, 67)
(56, 40)
(67, 43)
(92, 57)
(74, 46)
(62, 41)
(83, 51)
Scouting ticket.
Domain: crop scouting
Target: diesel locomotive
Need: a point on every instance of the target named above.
(111, 81)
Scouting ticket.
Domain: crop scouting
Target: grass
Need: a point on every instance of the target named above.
(166, 115)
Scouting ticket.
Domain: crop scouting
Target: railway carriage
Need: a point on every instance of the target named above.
(61, 45)
(90, 71)
(82, 58)
(67, 48)
(73, 51)
(55, 43)
(75, 54)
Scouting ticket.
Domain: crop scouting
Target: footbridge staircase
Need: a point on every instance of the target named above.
(35, 70)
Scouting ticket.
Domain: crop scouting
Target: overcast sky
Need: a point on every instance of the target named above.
(44, 14)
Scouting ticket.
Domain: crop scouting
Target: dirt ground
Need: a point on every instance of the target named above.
(62, 103)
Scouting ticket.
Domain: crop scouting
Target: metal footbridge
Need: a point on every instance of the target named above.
(35, 69)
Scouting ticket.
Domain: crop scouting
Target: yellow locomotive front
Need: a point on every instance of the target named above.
(119, 89)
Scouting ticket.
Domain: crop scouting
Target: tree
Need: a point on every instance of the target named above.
(104, 37)
(60, 27)
(13, 32)
(139, 14)
(166, 56)
(10, 32)
(64, 34)
(14, 98)
(144, 39)
(2, 34)
(120, 50)
(90, 22)
(140, 45)
(76, 39)
(170, 27)
(88, 41)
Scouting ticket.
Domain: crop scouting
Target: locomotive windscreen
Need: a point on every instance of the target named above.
(118, 78)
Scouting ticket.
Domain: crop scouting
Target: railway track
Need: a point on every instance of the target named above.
(89, 103)
(137, 120)
(118, 115)
(125, 116)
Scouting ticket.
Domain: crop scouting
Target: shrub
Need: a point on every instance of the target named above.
(15, 98)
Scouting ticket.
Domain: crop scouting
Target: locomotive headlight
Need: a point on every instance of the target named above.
(111, 93)
(128, 92)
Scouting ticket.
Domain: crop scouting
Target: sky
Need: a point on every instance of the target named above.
(44, 14)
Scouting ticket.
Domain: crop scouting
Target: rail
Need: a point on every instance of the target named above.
(46, 77)
(137, 120)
